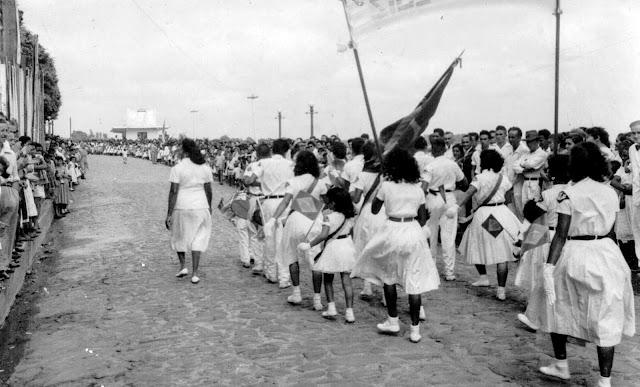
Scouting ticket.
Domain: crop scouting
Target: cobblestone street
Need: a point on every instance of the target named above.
(114, 314)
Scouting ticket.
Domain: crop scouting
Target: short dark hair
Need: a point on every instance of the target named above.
(491, 159)
(439, 131)
(517, 130)
(586, 160)
(421, 143)
(280, 146)
(600, 133)
(339, 150)
(192, 151)
(500, 127)
(357, 144)
(342, 201)
(474, 135)
(306, 162)
(438, 145)
(558, 171)
(364, 136)
(369, 151)
(399, 166)
(483, 132)
(544, 133)
(263, 151)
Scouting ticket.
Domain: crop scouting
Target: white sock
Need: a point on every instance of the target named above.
(332, 305)
(296, 289)
(564, 363)
(501, 288)
(604, 382)
(393, 319)
(483, 277)
(316, 296)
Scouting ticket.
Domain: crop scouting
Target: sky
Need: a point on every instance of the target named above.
(179, 56)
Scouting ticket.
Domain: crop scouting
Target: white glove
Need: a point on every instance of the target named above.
(548, 282)
(269, 227)
(304, 246)
(452, 211)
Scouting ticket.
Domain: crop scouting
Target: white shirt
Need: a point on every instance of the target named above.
(513, 158)
(591, 205)
(401, 200)
(442, 172)
(353, 168)
(449, 153)
(531, 164)
(273, 173)
(505, 151)
(191, 177)
(364, 182)
(485, 182)
(252, 169)
(303, 183)
(423, 159)
(634, 164)
(549, 203)
(10, 155)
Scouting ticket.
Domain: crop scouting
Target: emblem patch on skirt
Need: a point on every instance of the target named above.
(492, 226)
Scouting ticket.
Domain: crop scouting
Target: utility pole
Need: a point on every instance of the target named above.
(557, 13)
(311, 112)
(279, 118)
(252, 97)
(69, 128)
(193, 123)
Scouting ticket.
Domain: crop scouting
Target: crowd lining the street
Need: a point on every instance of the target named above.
(334, 205)
(30, 173)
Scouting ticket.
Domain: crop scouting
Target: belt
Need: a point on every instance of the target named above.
(7, 184)
(437, 192)
(532, 178)
(585, 237)
(552, 228)
(492, 205)
(274, 196)
(401, 220)
(342, 236)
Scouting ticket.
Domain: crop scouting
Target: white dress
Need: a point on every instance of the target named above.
(339, 254)
(399, 252)
(594, 297)
(297, 225)
(530, 266)
(367, 224)
(191, 219)
(624, 231)
(479, 246)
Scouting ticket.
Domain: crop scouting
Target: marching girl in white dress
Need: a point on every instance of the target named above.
(339, 253)
(529, 275)
(490, 238)
(298, 227)
(586, 279)
(367, 223)
(399, 254)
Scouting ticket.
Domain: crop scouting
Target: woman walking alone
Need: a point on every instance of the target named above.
(189, 212)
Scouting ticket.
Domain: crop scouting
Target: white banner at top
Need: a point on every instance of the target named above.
(369, 15)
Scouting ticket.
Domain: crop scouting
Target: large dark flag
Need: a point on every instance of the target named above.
(405, 131)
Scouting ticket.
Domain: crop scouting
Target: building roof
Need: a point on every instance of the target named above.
(140, 119)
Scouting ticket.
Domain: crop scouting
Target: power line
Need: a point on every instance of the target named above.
(175, 45)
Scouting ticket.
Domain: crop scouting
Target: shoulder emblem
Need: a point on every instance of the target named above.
(562, 197)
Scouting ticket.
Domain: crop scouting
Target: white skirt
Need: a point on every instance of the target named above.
(295, 229)
(190, 230)
(482, 248)
(338, 256)
(399, 254)
(624, 231)
(32, 210)
(530, 266)
(594, 297)
(367, 225)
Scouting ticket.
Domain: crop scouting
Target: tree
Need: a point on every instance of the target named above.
(52, 97)
(78, 135)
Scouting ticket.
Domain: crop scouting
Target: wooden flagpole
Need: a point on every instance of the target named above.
(352, 45)
(558, 12)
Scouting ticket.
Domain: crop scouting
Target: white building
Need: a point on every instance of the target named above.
(141, 124)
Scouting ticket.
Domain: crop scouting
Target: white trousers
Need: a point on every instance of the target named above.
(438, 220)
(270, 269)
(635, 226)
(249, 244)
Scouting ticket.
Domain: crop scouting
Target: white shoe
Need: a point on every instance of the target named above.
(257, 269)
(415, 333)
(182, 273)
(481, 282)
(525, 320)
(284, 285)
(295, 299)
(330, 312)
(390, 325)
(556, 371)
(195, 279)
(501, 293)
(423, 315)
(449, 277)
(317, 304)
(348, 315)
(366, 290)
